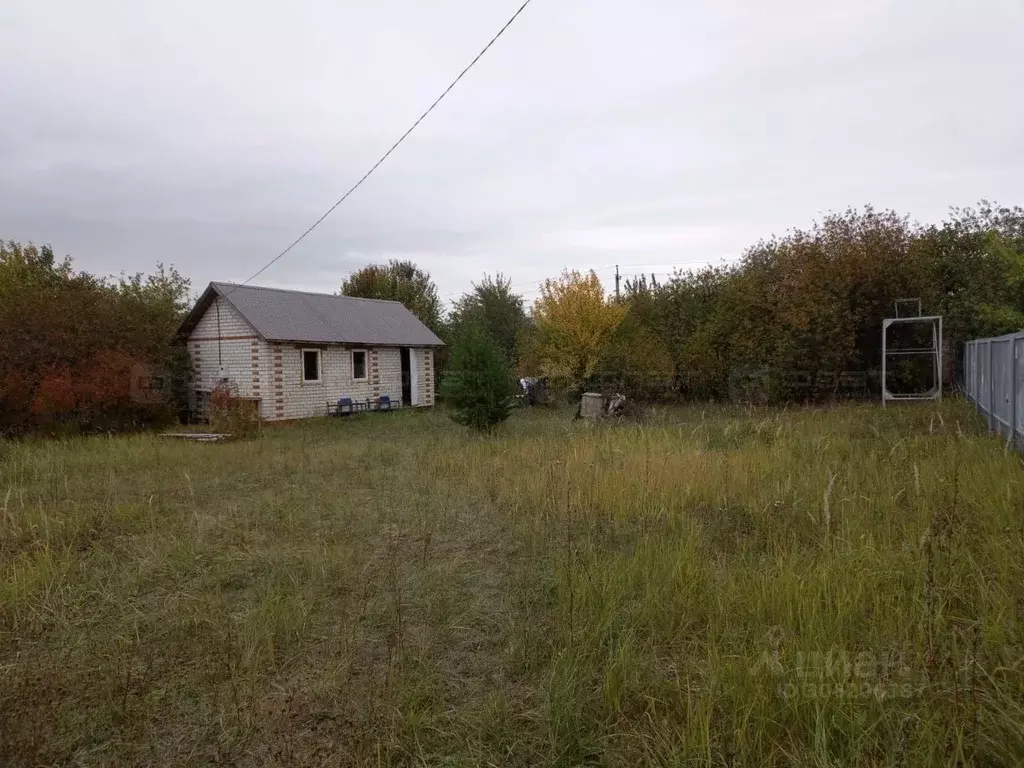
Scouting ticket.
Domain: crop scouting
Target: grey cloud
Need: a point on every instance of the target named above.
(594, 132)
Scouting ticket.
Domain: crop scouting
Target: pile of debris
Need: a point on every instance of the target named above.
(532, 391)
(595, 406)
(198, 437)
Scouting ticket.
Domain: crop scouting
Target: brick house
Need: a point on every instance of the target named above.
(292, 352)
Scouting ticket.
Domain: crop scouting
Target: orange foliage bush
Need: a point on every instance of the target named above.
(55, 397)
(104, 380)
(69, 342)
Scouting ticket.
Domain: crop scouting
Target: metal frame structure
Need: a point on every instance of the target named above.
(934, 351)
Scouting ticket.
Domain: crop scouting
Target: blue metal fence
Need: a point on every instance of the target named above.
(993, 382)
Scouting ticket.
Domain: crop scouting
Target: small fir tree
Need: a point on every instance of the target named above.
(478, 382)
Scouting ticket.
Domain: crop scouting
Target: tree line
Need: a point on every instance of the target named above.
(78, 352)
(797, 317)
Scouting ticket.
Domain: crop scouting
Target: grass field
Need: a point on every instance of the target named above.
(834, 587)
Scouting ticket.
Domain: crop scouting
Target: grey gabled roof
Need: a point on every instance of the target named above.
(282, 315)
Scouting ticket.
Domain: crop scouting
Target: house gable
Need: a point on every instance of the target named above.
(223, 346)
(221, 321)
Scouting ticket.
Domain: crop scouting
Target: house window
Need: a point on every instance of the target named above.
(311, 365)
(358, 364)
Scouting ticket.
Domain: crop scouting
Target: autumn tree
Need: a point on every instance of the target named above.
(800, 316)
(69, 341)
(399, 281)
(636, 362)
(574, 324)
(685, 313)
(974, 264)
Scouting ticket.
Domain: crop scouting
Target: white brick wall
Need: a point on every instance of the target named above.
(223, 344)
(425, 359)
(293, 398)
(273, 371)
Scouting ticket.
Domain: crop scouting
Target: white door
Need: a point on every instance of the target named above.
(414, 376)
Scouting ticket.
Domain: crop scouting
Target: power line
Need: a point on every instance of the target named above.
(514, 285)
(643, 267)
(394, 146)
(709, 262)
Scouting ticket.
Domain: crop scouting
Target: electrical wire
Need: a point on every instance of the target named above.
(676, 264)
(387, 154)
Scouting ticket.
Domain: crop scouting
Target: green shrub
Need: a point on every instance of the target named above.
(478, 383)
(231, 414)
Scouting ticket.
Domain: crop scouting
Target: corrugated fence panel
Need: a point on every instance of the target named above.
(1002, 384)
(971, 370)
(978, 378)
(1018, 406)
(993, 372)
(983, 375)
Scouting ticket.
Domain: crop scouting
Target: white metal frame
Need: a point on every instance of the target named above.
(934, 351)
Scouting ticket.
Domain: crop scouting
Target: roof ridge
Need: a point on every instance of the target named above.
(306, 293)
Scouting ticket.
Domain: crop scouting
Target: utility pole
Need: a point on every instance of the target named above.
(616, 282)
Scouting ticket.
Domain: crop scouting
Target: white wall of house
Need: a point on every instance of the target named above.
(222, 345)
(273, 371)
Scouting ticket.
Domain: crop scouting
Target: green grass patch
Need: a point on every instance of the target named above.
(834, 586)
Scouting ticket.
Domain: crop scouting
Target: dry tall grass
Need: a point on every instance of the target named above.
(819, 587)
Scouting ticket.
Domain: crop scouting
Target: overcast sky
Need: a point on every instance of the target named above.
(644, 132)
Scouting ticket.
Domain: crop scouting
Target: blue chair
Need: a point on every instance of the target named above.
(345, 406)
(384, 403)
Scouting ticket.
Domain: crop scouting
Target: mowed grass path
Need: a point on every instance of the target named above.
(825, 587)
